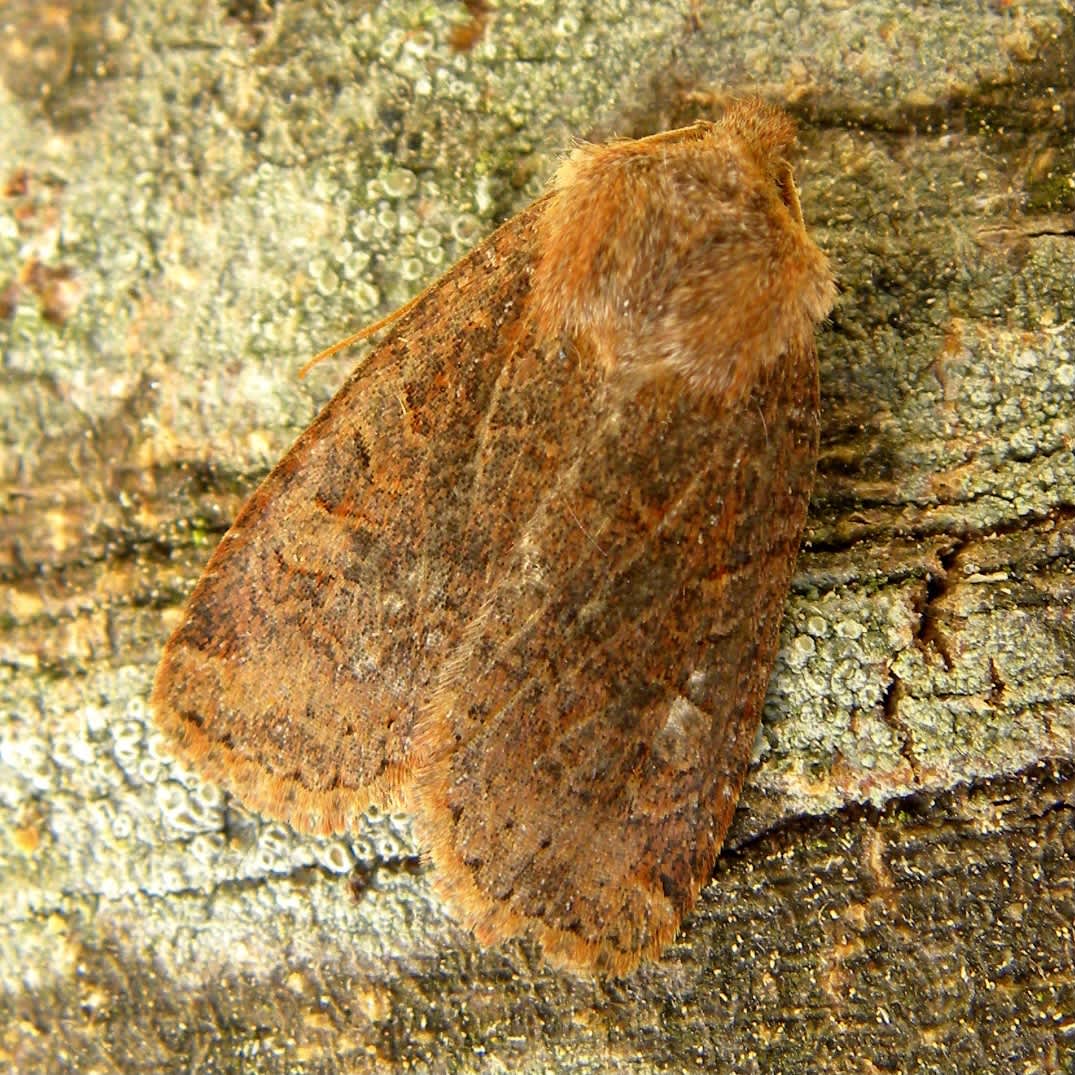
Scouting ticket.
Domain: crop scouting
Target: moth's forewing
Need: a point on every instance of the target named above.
(589, 737)
(306, 649)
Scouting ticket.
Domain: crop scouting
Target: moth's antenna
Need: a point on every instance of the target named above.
(361, 334)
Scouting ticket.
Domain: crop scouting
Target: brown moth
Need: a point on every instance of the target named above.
(524, 574)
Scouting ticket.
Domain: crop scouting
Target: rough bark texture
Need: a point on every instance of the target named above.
(194, 202)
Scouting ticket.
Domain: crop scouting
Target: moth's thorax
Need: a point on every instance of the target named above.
(684, 253)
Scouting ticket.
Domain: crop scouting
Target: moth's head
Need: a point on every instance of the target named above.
(767, 133)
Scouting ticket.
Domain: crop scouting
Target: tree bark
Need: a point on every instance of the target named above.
(194, 203)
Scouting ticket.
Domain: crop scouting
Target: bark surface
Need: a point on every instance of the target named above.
(194, 203)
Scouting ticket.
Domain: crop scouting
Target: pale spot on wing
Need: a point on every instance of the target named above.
(678, 741)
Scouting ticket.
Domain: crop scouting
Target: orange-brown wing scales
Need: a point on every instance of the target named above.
(587, 740)
(298, 668)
